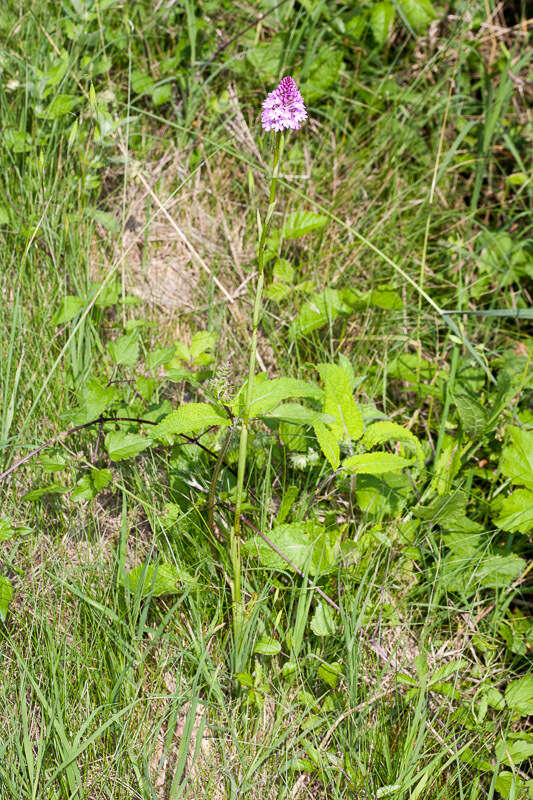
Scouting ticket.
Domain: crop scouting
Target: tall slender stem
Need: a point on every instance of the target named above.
(235, 542)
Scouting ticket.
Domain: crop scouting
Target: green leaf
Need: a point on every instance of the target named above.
(299, 223)
(418, 13)
(202, 342)
(190, 418)
(6, 530)
(141, 82)
(323, 621)
(71, 306)
(384, 297)
(268, 394)
(89, 485)
(162, 94)
(286, 504)
(381, 17)
(519, 696)
(321, 309)
(125, 349)
(381, 432)
(307, 544)
(266, 646)
(516, 461)
(329, 673)
(498, 572)
(446, 508)
(53, 488)
(340, 404)
(6, 593)
(514, 513)
(375, 463)
(157, 579)
(96, 398)
(107, 220)
(61, 104)
(516, 751)
(328, 444)
(323, 74)
(296, 413)
(161, 355)
(121, 445)
(472, 415)
(265, 58)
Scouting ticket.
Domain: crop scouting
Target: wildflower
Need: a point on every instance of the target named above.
(284, 107)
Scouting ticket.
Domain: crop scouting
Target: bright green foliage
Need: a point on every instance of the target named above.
(323, 621)
(187, 419)
(308, 545)
(340, 404)
(375, 463)
(516, 461)
(381, 19)
(157, 580)
(121, 445)
(386, 431)
(6, 592)
(519, 696)
(515, 512)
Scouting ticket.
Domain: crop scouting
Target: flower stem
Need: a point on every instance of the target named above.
(235, 540)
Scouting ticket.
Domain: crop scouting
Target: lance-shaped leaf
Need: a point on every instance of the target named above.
(190, 418)
(381, 432)
(268, 394)
(340, 404)
(375, 463)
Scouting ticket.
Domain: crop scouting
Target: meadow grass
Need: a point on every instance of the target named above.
(417, 153)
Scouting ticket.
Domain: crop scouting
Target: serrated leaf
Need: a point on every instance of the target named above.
(328, 444)
(381, 17)
(202, 342)
(157, 580)
(340, 404)
(296, 413)
(516, 461)
(190, 418)
(323, 620)
(323, 74)
(268, 394)
(499, 572)
(6, 530)
(70, 307)
(141, 82)
(121, 445)
(519, 696)
(385, 431)
(322, 308)
(266, 646)
(6, 593)
(329, 673)
(89, 485)
(299, 223)
(161, 355)
(375, 463)
(307, 544)
(446, 508)
(515, 751)
(418, 13)
(514, 513)
(125, 349)
(104, 218)
(97, 397)
(472, 415)
(61, 104)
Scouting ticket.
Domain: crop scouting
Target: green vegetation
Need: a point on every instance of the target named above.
(383, 646)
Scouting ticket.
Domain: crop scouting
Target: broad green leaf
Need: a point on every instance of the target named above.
(472, 415)
(516, 460)
(53, 488)
(511, 787)
(190, 418)
(446, 508)
(380, 432)
(97, 397)
(89, 485)
(290, 495)
(516, 751)
(201, 342)
(328, 444)
(161, 355)
(141, 82)
(266, 57)
(107, 220)
(514, 513)
(301, 222)
(125, 349)
(375, 463)
(418, 13)
(307, 544)
(296, 413)
(61, 104)
(323, 74)
(329, 673)
(323, 620)
(382, 495)
(162, 94)
(381, 17)
(266, 646)
(268, 394)
(121, 445)
(6, 593)
(385, 297)
(157, 580)
(519, 696)
(321, 309)
(499, 572)
(340, 404)
(6, 530)
(71, 306)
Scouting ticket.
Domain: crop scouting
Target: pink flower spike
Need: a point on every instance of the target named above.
(284, 107)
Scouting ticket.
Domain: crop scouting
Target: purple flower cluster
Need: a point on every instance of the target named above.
(284, 107)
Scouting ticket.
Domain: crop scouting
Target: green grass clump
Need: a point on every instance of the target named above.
(394, 661)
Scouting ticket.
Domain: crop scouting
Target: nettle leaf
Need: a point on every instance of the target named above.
(340, 404)
(418, 13)
(298, 414)
(330, 673)
(514, 513)
(307, 544)
(323, 620)
(125, 349)
(519, 696)
(89, 485)
(265, 646)
(322, 308)
(328, 444)
(472, 415)
(299, 223)
(70, 307)
(121, 445)
(201, 343)
(268, 394)
(517, 750)
(446, 508)
(97, 397)
(6, 593)
(381, 18)
(161, 355)
(157, 579)
(190, 418)
(375, 463)
(516, 461)
(381, 432)
(499, 572)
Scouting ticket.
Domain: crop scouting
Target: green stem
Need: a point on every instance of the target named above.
(235, 541)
